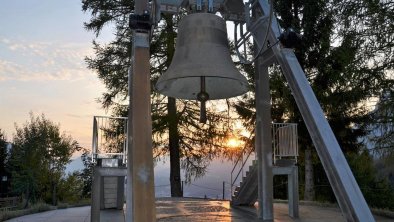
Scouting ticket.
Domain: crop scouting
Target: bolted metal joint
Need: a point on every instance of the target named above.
(290, 38)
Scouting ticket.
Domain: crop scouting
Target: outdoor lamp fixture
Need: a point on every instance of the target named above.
(201, 68)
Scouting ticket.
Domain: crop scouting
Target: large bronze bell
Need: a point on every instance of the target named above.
(202, 68)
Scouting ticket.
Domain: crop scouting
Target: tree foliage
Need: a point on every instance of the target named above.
(4, 157)
(86, 174)
(381, 138)
(38, 158)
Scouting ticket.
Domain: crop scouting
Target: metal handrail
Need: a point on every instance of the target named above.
(243, 164)
(285, 144)
(99, 136)
(288, 136)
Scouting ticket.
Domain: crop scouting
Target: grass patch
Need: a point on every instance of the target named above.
(36, 208)
(383, 212)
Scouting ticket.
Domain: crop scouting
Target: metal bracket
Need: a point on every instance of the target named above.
(141, 40)
(140, 23)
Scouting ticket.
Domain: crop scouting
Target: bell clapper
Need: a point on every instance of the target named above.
(203, 96)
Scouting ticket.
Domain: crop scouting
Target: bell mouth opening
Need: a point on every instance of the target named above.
(216, 87)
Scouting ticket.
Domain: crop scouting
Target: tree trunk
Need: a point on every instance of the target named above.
(27, 196)
(54, 199)
(309, 193)
(175, 169)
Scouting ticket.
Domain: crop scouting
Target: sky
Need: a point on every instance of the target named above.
(42, 70)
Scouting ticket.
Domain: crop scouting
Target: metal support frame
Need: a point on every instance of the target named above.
(346, 190)
(140, 205)
(292, 187)
(343, 183)
(263, 143)
(345, 187)
(140, 184)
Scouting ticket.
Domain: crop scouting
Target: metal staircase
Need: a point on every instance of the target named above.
(285, 154)
(246, 192)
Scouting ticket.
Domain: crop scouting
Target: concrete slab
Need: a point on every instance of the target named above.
(195, 210)
(112, 215)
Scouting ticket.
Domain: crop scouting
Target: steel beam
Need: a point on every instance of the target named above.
(345, 187)
(142, 157)
(96, 192)
(129, 178)
(263, 142)
(140, 180)
(292, 187)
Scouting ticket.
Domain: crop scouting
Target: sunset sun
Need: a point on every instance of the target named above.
(233, 142)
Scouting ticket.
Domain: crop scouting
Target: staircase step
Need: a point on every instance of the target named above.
(246, 192)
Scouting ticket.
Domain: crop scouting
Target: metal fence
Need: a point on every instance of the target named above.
(109, 138)
(285, 140)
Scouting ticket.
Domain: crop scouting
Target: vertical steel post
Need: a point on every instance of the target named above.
(263, 144)
(142, 156)
(96, 188)
(129, 180)
(140, 184)
(292, 192)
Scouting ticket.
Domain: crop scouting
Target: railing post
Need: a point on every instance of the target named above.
(223, 190)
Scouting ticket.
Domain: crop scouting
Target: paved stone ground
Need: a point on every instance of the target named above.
(185, 209)
(194, 210)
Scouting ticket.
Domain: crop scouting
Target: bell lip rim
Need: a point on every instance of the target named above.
(201, 13)
(244, 87)
(195, 99)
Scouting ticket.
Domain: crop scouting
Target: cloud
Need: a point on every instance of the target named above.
(43, 61)
(78, 116)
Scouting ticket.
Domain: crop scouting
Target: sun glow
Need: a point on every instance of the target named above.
(233, 142)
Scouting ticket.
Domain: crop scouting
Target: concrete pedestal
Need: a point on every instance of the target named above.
(292, 186)
(107, 190)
